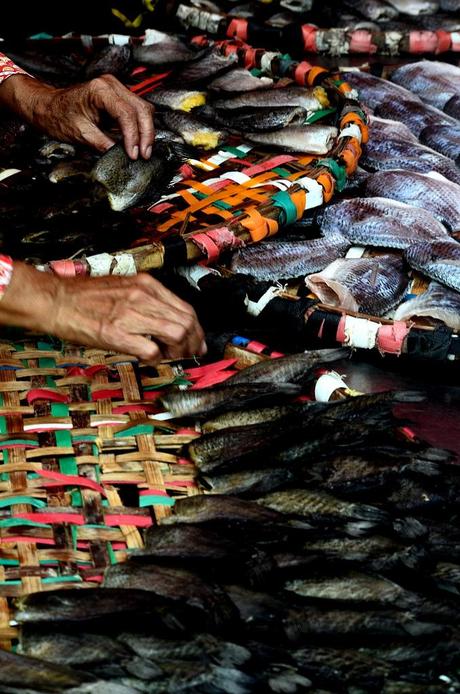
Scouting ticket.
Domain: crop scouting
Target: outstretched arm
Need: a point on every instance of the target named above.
(73, 114)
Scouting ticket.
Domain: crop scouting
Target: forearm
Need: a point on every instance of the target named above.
(28, 300)
(26, 96)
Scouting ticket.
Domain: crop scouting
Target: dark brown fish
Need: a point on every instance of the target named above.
(27, 672)
(373, 90)
(227, 397)
(247, 482)
(65, 648)
(211, 64)
(215, 508)
(291, 368)
(260, 120)
(112, 60)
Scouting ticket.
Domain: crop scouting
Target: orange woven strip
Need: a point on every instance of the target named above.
(328, 183)
(299, 198)
(258, 226)
(354, 118)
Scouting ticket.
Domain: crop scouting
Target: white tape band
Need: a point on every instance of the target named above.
(255, 308)
(314, 190)
(352, 130)
(361, 333)
(194, 273)
(328, 384)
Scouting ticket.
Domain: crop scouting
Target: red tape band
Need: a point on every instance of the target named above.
(78, 519)
(309, 37)
(390, 338)
(238, 28)
(444, 41)
(361, 42)
(207, 246)
(212, 379)
(76, 480)
(269, 164)
(199, 371)
(256, 347)
(422, 42)
(340, 335)
(301, 70)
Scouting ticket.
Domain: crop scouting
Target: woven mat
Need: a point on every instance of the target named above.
(85, 466)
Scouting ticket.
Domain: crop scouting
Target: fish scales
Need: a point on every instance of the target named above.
(373, 90)
(275, 261)
(434, 81)
(370, 285)
(289, 368)
(437, 259)
(309, 139)
(239, 80)
(381, 222)
(311, 99)
(260, 120)
(433, 193)
(437, 303)
(353, 589)
(444, 139)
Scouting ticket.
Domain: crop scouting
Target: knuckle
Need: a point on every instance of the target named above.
(178, 333)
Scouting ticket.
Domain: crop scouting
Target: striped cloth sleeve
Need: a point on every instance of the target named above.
(8, 68)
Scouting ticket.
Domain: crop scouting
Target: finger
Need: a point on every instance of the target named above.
(110, 98)
(146, 127)
(141, 347)
(91, 135)
(159, 291)
(177, 336)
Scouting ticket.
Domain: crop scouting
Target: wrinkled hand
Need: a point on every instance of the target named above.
(74, 114)
(114, 313)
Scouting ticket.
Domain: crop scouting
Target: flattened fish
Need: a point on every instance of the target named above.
(391, 130)
(193, 131)
(373, 90)
(211, 64)
(113, 60)
(370, 285)
(415, 7)
(437, 302)
(381, 222)
(452, 107)
(261, 119)
(205, 509)
(279, 260)
(309, 139)
(312, 99)
(382, 154)
(434, 81)
(439, 260)
(415, 115)
(430, 192)
(226, 397)
(177, 99)
(374, 10)
(288, 369)
(239, 80)
(444, 139)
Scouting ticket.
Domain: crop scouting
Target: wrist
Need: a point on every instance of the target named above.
(29, 299)
(27, 97)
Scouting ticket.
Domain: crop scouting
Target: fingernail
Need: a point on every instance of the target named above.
(135, 152)
(203, 348)
(148, 152)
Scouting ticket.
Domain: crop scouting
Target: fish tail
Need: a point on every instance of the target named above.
(409, 396)
(409, 528)
(327, 355)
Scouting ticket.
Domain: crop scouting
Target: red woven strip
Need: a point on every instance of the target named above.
(199, 371)
(256, 347)
(45, 394)
(269, 164)
(238, 28)
(61, 479)
(212, 379)
(78, 519)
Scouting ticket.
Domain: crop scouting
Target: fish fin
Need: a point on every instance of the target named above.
(438, 455)
(409, 528)
(359, 528)
(427, 468)
(182, 151)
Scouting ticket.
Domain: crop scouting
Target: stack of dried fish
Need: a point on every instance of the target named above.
(318, 559)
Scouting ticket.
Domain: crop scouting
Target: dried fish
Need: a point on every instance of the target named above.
(239, 80)
(292, 368)
(312, 99)
(177, 99)
(437, 259)
(370, 285)
(310, 139)
(437, 302)
(192, 130)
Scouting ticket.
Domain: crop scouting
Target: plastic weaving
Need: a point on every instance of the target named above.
(85, 465)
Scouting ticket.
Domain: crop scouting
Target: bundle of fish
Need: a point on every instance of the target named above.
(318, 558)
(404, 214)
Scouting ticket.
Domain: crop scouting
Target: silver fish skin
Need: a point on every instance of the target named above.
(380, 154)
(440, 260)
(390, 129)
(417, 116)
(239, 80)
(259, 120)
(225, 397)
(374, 90)
(127, 181)
(444, 139)
(438, 303)
(308, 139)
(311, 99)
(287, 369)
(176, 99)
(452, 107)
(280, 260)
(415, 7)
(247, 482)
(369, 285)
(163, 53)
(192, 130)
(381, 222)
(374, 10)
(353, 589)
(431, 192)
(434, 81)
(211, 64)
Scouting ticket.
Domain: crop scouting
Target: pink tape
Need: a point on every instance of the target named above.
(212, 379)
(309, 37)
(63, 268)
(213, 242)
(340, 336)
(444, 41)
(269, 164)
(390, 338)
(361, 42)
(250, 56)
(238, 28)
(301, 70)
(256, 347)
(200, 371)
(422, 42)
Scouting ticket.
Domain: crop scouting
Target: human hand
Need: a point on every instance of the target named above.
(114, 313)
(74, 114)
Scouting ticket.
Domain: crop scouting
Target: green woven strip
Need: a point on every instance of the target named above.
(135, 430)
(284, 173)
(339, 172)
(3, 430)
(282, 199)
(20, 442)
(154, 500)
(111, 553)
(235, 151)
(12, 500)
(318, 115)
(62, 579)
(9, 562)
(12, 522)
